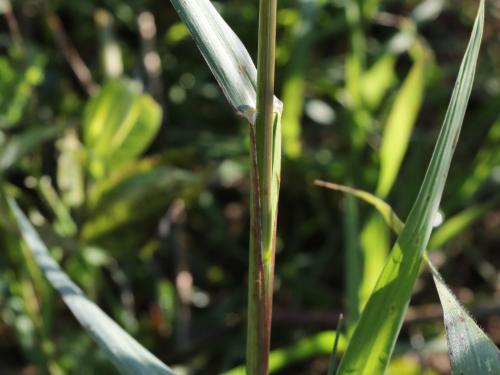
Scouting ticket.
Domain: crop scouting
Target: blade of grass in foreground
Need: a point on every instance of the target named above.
(373, 340)
(471, 350)
(128, 356)
(224, 53)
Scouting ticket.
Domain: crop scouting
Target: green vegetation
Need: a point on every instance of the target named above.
(131, 195)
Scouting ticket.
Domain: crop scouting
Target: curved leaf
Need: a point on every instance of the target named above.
(123, 350)
(471, 350)
(373, 340)
(224, 53)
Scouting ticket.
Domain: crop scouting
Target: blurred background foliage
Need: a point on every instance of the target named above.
(117, 141)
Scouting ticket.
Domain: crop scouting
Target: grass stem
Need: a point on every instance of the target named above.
(265, 154)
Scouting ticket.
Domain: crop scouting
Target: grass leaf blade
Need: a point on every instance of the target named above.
(471, 351)
(224, 53)
(373, 340)
(128, 356)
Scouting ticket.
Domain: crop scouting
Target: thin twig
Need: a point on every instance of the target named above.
(13, 25)
(70, 53)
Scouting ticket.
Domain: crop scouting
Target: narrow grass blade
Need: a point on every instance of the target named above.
(332, 366)
(224, 53)
(128, 356)
(373, 340)
(375, 246)
(399, 125)
(384, 209)
(471, 351)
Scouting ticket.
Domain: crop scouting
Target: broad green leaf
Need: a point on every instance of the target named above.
(471, 351)
(399, 125)
(373, 340)
(129, 357)
(119, 124)
(224, 53)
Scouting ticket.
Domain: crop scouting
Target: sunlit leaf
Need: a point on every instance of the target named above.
(372, 343)
(399, 125)
(224, 53)
(471, 351)
(119, 124)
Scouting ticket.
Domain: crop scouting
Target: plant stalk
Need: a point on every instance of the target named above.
(265, 155)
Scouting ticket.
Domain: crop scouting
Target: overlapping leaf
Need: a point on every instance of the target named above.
(224, 53)
(373, 340)
(471, 351)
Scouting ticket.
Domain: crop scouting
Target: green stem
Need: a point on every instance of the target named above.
(265, 156)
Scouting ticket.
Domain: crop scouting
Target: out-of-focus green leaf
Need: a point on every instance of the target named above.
(293, 88)
(369, 8)
(70, 176)
(427, 10)
(458, 223)
(140, 190)
(399, 125)
(471, 351)
(352, 259)
(378, 79)
(486, 160)
(305, 348)
(372, 343)
(19, 145)
(119, 124)
(121, 349)
(375, 245)
(64, 223)
(224, 53)
(16, 86)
